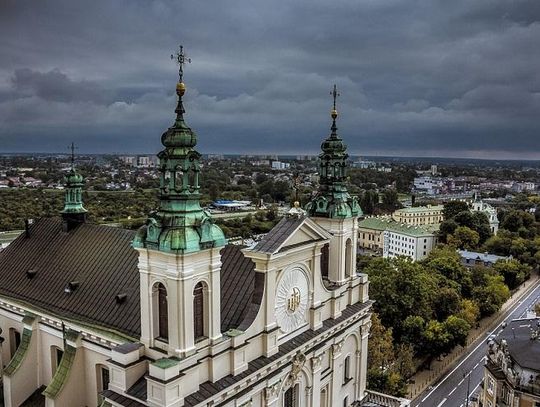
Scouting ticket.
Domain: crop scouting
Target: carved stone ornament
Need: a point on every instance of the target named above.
(316, 362)
(297, 365)
(336, 349)
(273, 390)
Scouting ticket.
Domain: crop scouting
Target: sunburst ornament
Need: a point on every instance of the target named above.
(292, 300)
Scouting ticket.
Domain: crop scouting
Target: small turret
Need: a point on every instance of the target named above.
(180, 225)
(74, 212)
(332, 199)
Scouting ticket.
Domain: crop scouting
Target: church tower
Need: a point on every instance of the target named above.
(334, 209)
(179, 248)
(74, 212)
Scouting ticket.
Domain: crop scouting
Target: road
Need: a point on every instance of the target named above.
(451, 390)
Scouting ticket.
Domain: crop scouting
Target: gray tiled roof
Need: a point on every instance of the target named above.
(279, 234)
(524, 350)
(102, 261)
(100, 258)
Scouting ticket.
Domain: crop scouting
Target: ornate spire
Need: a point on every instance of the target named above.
(180, 225)
(181, 59)
(334, 113)
(332, 200)
(74, 211)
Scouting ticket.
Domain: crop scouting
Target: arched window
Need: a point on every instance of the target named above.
(290, 399)
(325, 259)
(324, 398)
(198, 311)
(56, 357)
(14, 340)
(348, 258)
(161, 312)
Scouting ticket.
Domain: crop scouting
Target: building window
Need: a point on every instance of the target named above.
(346, 402)
(348, 258)
(325, 259)
(324, 402)
(56, 357)
(102, 380)
(161, 312)
(14, 340)
(198, 311)
(290, 398)
(347, 370)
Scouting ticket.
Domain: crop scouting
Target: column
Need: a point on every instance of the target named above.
(336, 381)
(316, 381)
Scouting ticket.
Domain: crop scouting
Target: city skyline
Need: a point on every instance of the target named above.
(449, 80)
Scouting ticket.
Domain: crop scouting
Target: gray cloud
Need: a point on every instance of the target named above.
(444, 78)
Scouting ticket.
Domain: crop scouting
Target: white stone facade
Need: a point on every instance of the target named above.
(318, 357)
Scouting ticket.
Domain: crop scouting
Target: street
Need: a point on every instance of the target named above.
(451, 390)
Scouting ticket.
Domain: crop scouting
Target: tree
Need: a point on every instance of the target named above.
(437, 338)
(489, 290)
(401, 288)
(457, 329)
(446, 228)
(390, 199)
(464, 238)
(448, 303)
(446, 262)
(386, 372)
(469, 312)
(413, 332)
(452, 208)
(368, 201)
(513, 272)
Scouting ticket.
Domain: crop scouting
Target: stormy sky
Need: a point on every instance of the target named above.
(456, 78)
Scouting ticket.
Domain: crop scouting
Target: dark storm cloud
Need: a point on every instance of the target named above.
(416, 77)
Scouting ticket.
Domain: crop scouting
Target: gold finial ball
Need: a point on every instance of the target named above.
(296, 204)
(180, 88)
(333, 113)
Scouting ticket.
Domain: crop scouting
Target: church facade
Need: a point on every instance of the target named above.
(174, 316)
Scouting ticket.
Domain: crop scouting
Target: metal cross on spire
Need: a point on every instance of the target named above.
(335, 94)
(181, 60)
(72, 148)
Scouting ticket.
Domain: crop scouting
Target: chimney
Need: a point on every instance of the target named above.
(27, 223)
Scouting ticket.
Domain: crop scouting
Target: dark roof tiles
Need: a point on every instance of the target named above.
(279, 234)
(102, 260)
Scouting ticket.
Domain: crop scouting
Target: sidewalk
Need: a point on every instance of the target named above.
(424, 378)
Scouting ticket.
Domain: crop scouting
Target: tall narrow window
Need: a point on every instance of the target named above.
(198, 311)
(56, 358)
(323, 398)
(291, 397)
(102, 380)
(325, 259)
(14, 340)
(346, 402)
(163, 313)
(346, 369)
(348, 258)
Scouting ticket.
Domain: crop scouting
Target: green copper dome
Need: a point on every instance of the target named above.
(179, 225)
(73, 184)
(332, 199)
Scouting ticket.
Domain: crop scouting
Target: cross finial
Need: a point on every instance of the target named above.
(181, 60)
(72, 148)
(335, 94)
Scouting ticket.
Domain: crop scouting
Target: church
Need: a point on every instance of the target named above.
(172, 315)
